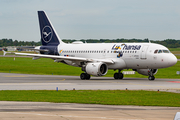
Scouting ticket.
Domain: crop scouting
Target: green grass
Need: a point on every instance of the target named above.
(106, 97)
(40, 66)
(47, 67)
(174, 49)
(178, 56)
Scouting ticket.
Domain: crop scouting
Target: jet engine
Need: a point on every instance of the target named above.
(146, 71)
(96, 69)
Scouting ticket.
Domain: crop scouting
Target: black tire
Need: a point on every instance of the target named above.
(151, 78)
(116, 76)
(88, 76)
(121, 76)
(83, 76)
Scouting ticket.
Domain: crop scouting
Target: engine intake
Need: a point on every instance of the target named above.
(96, 69)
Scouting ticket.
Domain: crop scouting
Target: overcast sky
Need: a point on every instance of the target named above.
(92, 19)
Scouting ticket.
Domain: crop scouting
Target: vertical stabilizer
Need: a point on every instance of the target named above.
(49, 36)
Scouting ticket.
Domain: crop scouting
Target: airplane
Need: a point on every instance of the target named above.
(96, 58)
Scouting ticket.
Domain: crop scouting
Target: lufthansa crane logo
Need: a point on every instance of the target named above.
(47, 34)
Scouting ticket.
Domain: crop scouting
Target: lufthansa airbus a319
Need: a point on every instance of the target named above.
(96, 58)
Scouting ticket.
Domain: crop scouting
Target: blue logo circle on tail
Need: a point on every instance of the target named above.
(47, 34)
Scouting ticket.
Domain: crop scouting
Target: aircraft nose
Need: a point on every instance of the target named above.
(172, 60)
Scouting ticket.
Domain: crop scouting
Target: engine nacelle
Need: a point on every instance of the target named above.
(146, 71)
(96, 69)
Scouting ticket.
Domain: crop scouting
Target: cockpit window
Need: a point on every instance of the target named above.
(160, 51)
(165, 51)
(155, 51)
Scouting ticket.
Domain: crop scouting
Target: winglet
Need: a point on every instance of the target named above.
(4, 52)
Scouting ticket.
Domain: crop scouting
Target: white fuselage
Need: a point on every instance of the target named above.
(124, 55)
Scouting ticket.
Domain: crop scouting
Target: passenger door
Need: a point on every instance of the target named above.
(144, 51)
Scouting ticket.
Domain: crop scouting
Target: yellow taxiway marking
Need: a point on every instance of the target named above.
(63, 80)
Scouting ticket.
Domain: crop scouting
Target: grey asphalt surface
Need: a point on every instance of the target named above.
(69, 111)
(10, 81)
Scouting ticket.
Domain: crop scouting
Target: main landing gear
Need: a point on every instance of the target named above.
(118, 75)
(151, 76)
(85, 76)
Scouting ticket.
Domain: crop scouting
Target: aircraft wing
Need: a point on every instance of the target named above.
(59, 58)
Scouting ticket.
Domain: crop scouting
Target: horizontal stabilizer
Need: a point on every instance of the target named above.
(4, 52)
(43, 50)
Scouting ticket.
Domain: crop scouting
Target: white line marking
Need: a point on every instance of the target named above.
(71, 116)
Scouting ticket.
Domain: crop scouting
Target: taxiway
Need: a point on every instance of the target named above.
(71, 111)
(10, 81)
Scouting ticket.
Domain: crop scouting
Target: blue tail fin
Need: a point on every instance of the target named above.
(49, 36)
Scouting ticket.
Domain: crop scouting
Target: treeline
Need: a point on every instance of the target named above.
(170, 43)
(10, 42)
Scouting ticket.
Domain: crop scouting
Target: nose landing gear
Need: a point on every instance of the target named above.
(151, 74)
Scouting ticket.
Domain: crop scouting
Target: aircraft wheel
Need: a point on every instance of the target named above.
(88, 76)
(151, 78)
(83, 76)
(121, 76)
(116, 76)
